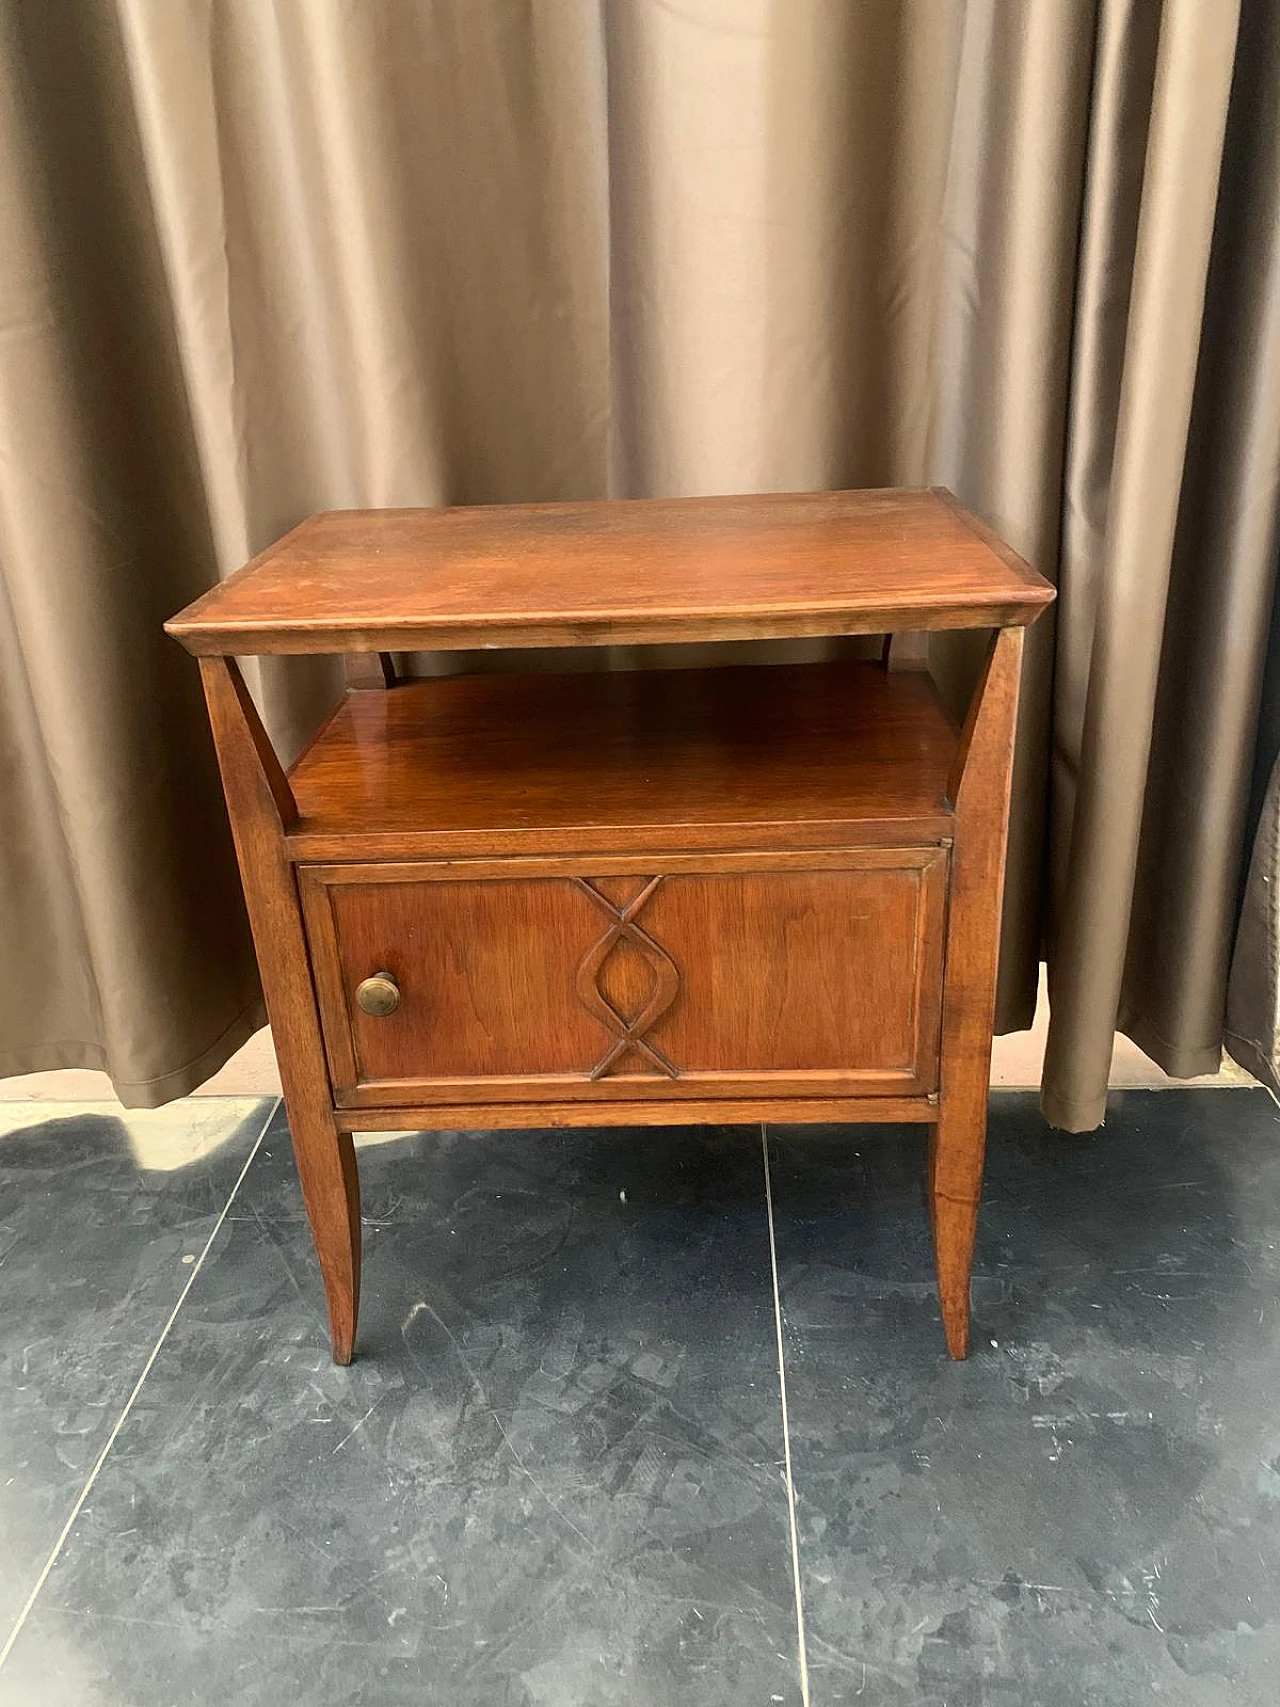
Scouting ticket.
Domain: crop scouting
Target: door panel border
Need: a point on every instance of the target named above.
(316, 883)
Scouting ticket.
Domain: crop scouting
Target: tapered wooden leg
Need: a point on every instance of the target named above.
(956, 1144)
(262, 806)
(980, 789)
(326, 1161)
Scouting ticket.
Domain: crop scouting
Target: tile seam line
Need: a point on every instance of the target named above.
(129, 1403)
(793, 1529)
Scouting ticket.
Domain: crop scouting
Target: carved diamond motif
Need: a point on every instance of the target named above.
(627, 1033)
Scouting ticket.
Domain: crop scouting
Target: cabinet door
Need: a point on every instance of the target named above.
(815, 974)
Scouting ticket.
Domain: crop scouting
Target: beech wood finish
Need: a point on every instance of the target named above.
(734, 894)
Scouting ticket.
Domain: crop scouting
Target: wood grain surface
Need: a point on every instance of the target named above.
(644, 1110)
(735, 894)
(756, 755)
(980, 786)
(622, 571)
(259, 804)
(780, 974)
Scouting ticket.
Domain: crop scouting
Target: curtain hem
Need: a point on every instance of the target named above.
(1255, 1059)
(1086, 1114)
(1179, 1061)
(140, 1093)
(1066, 1114)
(1017, 1014)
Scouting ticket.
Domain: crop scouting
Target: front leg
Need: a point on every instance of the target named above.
(326, 1159)
(262, 807)
(979, 789)
(957, 1141)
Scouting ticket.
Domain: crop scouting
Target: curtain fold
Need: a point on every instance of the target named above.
(269, 258)
(1128, 582)
(123, 942)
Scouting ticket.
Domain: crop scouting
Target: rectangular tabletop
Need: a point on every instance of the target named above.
(620, 571)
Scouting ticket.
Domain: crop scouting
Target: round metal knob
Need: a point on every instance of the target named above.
(379, 995)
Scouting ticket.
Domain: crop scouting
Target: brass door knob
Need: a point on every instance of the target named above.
(379, 995)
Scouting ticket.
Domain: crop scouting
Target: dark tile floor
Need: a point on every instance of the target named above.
(558, 1473)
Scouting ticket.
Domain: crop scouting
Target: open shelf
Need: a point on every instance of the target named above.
(786, 756)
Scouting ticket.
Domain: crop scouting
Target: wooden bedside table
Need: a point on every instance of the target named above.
(732, 894)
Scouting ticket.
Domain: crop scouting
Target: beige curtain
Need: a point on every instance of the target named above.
(264, 257)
